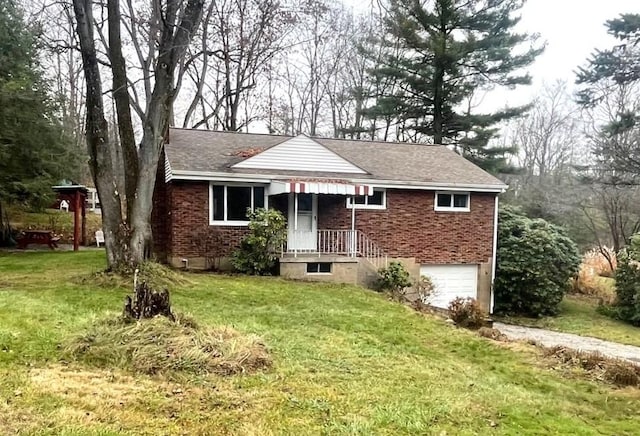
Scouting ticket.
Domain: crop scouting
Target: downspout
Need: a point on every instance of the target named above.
(295, 223)
(495, 249)
(353, 226)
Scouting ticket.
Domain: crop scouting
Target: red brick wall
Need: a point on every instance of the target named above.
(409, 227)
(189, 216)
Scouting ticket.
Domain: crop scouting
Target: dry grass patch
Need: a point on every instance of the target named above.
(159, 346)
(93, 400)
(90, 387)
(597, 366)
(16, 420)
(491, 333)
(593, 366)
(57, 396)
(594, 275)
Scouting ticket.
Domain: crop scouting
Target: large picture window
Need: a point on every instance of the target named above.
(452, 201)
(229, 203)
(376, 201)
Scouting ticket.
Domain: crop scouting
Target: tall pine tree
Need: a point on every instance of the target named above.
(34, 154)
(450, 50)
(610, 88)
(614, 67)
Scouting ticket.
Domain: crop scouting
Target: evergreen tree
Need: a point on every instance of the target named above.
(34, 154)
(613, 67)
(610, 88)
(451, 49)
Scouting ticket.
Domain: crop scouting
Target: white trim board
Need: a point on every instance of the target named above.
(220, 176)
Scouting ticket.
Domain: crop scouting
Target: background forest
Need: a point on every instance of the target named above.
(400, 71)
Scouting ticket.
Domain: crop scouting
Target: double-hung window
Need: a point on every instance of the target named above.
(229, 203)
(376, 201)
(452, 202)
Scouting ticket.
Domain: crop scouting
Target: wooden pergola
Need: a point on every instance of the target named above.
(75, 195)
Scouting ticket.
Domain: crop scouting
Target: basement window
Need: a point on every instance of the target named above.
(452, 201)
(319, 268)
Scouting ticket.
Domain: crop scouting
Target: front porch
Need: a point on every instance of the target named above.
(321, 244)
(335, 254)
(307, 217)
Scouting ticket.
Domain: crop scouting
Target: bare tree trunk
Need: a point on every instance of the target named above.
(6, 237)
(123, 108)
(127, 226)
(97, 131)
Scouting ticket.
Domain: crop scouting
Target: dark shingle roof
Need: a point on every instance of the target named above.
(211, 151)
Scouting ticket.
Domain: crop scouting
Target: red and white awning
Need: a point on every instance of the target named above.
(313, 187)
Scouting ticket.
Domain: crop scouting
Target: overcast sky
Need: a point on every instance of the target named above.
(572, 30)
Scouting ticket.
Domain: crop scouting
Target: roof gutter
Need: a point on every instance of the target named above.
(378, 183)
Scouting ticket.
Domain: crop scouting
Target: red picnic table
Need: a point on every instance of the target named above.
(43, 237)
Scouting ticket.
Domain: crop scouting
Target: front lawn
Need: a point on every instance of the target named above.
(578, 315)
(346, 361)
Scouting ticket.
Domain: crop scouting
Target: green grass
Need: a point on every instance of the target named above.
(578, 315)
(346, 361)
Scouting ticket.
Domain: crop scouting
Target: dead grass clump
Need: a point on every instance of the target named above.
(589, 280)
(597, 259)
(492, 333)
(161, 276)
(156, 275)
(159, 345)
(598, 366)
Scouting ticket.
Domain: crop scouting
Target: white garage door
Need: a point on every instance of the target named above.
(451, 281)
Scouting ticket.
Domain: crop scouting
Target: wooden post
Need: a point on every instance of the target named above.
(353, 226)
(84, 219)
(76, 220)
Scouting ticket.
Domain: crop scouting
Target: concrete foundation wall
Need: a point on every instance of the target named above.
(484, 286)
(343, 269)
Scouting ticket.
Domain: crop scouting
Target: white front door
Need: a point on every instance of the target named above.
(303, 225)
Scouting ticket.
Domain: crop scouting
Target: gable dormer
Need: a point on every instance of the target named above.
(300, 154)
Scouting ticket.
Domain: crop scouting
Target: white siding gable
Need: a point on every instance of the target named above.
(300, 154)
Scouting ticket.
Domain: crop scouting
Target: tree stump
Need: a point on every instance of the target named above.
(147, 303)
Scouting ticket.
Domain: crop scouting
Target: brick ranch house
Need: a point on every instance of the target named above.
(351, 207)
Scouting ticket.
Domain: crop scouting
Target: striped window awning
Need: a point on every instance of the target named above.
(318, 187)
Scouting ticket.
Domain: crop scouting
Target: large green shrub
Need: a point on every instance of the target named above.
(258, 252)
(534, 265)
(394, 278)
(627, 304)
